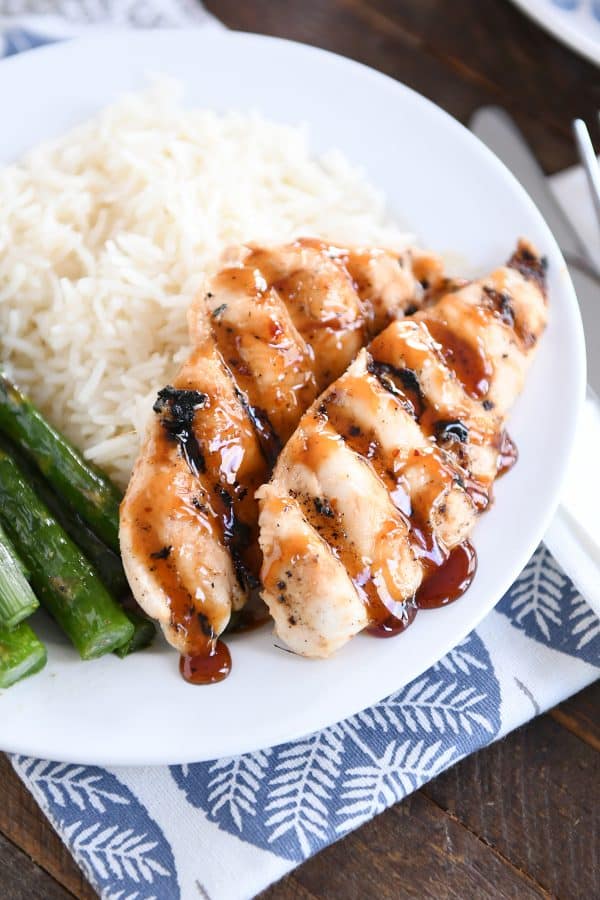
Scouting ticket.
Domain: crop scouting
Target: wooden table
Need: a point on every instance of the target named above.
(521, 818)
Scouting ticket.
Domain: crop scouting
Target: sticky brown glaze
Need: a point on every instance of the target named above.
(378, 505)
(464, 423)
(379, 488)
(207, 667)
(461, 427)
(499, 319)
(218, 429)
(393, 626)
(467, 360)
(447, 582)
(386, 285)
(417, 474)
(270, 361)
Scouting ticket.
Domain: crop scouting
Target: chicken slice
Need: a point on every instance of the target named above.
(318, 628)
(269, 359)
(188, 520)
(309, 306)
(269, 330)
(419, 418)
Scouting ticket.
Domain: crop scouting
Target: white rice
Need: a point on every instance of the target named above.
(105, 235)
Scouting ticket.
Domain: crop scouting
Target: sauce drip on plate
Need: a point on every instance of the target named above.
(207, 668)
(393, 626)
(445, 583)
(450, 580)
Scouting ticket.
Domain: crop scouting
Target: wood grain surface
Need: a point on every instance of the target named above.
(520, 819)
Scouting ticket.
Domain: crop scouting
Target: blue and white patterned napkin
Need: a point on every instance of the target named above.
(226, 829)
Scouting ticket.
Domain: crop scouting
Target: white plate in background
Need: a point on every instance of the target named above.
(444, 185)
(575, 23)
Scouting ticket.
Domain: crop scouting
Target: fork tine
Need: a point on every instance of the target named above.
(589, 161)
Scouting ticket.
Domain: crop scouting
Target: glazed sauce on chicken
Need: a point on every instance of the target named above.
(163, 565)
(196, 627)
(197, 484)
(272, 329)
(446, 582)
(479, 493)
(472, 367)
(387, 474)
(447, 575)
(210, 660)
(268, 360)
(322, 513)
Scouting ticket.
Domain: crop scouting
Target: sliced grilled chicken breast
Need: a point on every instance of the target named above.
(187, 554)
(387, 472)
(270, 331)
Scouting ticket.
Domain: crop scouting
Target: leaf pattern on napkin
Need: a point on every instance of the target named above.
(545, 605)
(234, 783)
(301, 790)
(388, 777)
(297, 797)
(134, 13)
(108, 831)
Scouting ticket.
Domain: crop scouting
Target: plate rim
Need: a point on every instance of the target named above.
(151, 756)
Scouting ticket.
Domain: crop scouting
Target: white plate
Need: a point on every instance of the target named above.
(449, 189)
(573, 22)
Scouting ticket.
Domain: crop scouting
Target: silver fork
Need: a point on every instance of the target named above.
(589, 161)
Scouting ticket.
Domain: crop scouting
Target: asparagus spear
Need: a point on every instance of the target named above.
(107, 564)
(21, 654)
(86, 488)
(17, 600)
(64, 581)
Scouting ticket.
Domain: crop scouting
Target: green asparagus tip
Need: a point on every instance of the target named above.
(17, 600)
(21, 654)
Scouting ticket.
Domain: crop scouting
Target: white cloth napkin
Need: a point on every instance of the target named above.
(224, 830)
(574, 535)
(572, 192)
(58, 19)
